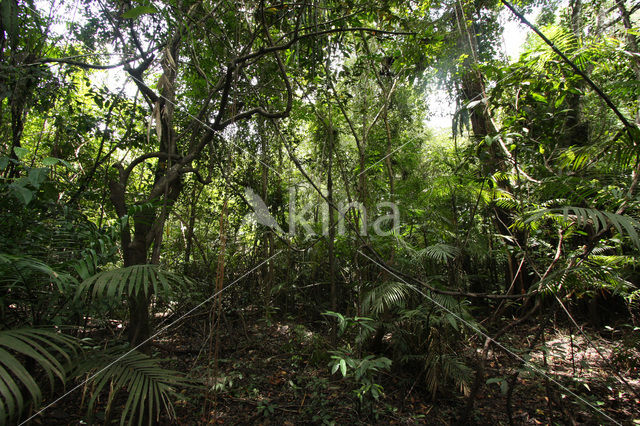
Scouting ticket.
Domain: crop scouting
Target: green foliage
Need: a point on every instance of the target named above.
(138, 11)
(385, 296)
(426, 337)
(26, 187)
(438, 252)
(51, 351)
(537, 179)
(21, 271)
(266, 409)
(350, 323)
(130, 281)
(149, 386)
(594, 218)
(362, 370)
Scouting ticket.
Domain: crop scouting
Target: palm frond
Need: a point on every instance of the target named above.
(563, 39)
(87, 265)
(130, 280)
(602, 219)
(595, 274)
(150, 387)
(20, 269)
(50, 350)
(568, 190)
(438, 252)
(449, 304)
(454, 368)
(598, 219)
(385, 296)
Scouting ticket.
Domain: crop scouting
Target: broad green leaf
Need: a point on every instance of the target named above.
(504, 387)
(20, 152)
(343, 367)
(23, 194)
(538, 97)
(37, 176)
(139, 11)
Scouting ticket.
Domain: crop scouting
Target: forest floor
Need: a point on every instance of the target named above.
(276, 373)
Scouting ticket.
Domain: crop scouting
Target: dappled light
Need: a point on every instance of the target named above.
(319, 212)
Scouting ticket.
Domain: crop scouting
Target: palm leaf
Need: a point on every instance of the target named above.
(130, 281)
(150, 387)
(385, 296)
(23, 269)
(439, 252)
(599, 219)
(47, 348)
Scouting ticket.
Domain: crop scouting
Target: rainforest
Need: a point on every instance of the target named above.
(319, 212)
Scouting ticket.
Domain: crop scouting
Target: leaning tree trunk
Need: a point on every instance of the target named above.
(141, 245)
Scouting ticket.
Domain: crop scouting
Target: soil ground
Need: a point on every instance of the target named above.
(276, 373)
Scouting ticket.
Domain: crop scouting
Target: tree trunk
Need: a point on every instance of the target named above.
(267, 236)
(139, 328)
(148, 224)
(190, 226)
(332, 230)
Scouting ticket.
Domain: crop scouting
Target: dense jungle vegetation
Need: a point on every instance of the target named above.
(242, 212)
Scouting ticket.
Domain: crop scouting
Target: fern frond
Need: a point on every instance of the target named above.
(507, 203)
(612, 261)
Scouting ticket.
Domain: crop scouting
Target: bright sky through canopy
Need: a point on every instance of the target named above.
(441, 107)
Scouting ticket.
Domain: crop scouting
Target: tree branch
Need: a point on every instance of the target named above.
(197, 175)
(124, 176)
(70, 61)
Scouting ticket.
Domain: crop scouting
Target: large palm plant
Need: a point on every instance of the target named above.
(30, 355)
(20, 351)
